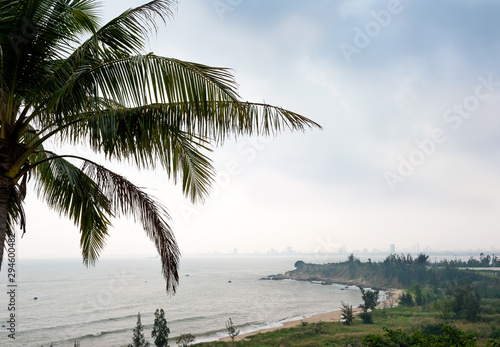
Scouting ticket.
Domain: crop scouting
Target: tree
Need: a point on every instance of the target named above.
(299, 265)
(138, 340)
(419, 296)
(370, 298)
(160, 330)
(185, 339)
(464, 300)
(347, 314)
(66, 80)
(231, 329)
(406, 299)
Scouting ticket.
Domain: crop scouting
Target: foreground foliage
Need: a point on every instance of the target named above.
(138, 340)
(450, 336)
(160, 329)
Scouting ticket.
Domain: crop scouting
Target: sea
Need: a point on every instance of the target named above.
(60, 301)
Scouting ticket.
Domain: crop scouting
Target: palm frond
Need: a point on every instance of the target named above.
(147, 136)
(90, 194)
(35, 33)
(206, 96)
(118, 39)
(128, 199)
(70, 192)
(128, 31)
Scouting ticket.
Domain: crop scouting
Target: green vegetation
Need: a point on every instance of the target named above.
(347, 314)
(370, 301)
(185, 339)
(160, 330)
(138, 340)
(409, 320)
(484, 261)
(448, 336)
(370, 298)
(406, 299)
(403, 271)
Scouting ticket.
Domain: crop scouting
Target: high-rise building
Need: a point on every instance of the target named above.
(393, 248)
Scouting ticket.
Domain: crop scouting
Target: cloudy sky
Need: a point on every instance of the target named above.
(407, 92)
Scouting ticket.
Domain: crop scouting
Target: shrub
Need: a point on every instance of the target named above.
(366, 317)
(495, 334)
(185, 339)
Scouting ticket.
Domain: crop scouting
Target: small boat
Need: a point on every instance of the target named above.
(229, 282)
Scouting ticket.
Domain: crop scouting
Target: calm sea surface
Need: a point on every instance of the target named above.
(99, 306)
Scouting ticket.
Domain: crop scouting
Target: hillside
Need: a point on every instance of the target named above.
(396, 271)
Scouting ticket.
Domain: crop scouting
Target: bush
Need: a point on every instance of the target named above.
(449, 336)
(434, 329)
(366, 317)
(185, 339)
(495, 334)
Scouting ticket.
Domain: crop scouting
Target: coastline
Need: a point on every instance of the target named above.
(331, 316)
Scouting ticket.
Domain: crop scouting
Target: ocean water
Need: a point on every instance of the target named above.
(98, 306)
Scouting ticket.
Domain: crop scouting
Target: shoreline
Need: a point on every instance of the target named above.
(331, 316)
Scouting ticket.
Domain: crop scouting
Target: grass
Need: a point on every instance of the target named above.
(408, 319)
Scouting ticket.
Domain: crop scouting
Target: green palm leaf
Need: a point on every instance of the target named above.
(127, 199)
(69, 191)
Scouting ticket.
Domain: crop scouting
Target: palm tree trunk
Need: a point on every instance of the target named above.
(5, 193)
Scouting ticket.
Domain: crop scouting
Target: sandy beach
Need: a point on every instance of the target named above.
(333, 316)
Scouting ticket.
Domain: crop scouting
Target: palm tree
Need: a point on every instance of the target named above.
(66, 79)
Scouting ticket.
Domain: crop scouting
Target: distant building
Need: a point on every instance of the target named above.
(393, 248)
(235, 251)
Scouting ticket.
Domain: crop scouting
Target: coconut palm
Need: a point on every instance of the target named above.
(66, 79)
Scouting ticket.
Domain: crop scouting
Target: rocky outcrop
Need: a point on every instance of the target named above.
(320, 279)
